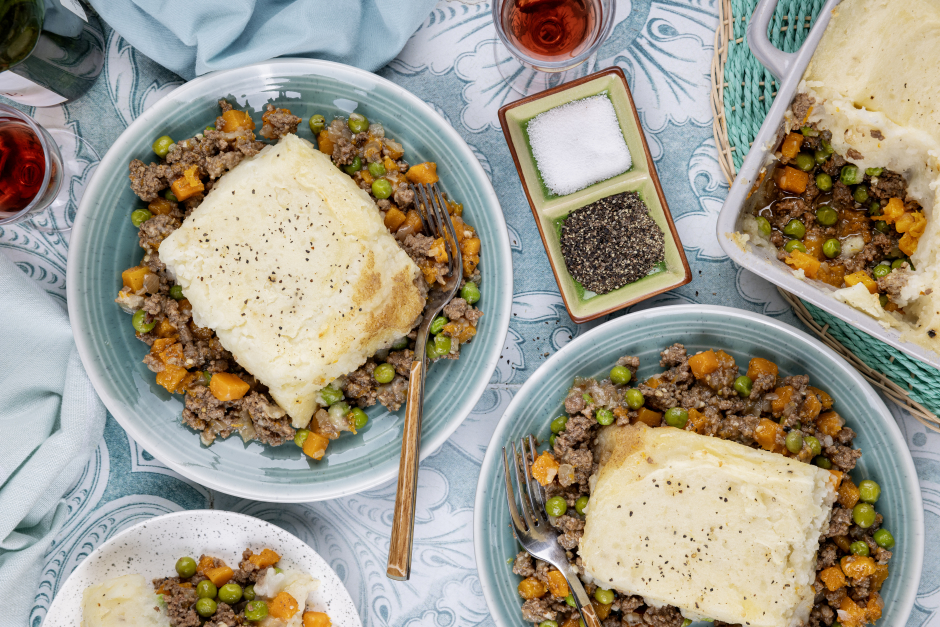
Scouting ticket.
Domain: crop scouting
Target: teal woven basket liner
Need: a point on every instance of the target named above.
(749, 91)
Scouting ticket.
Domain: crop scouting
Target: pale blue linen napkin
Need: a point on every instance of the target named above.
(195, 37)
(50, 421)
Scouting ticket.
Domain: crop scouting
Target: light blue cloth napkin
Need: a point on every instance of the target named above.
(194, 37)
(50, 421)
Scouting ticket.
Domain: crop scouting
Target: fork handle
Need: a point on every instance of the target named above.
(403, 521)
(583, 601)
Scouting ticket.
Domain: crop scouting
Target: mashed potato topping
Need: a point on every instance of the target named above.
(720, 530)
(291, 265)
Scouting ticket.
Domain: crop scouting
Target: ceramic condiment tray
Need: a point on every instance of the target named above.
(550, 210)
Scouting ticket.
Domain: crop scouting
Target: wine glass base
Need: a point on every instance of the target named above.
(79, 162)
(526, 81)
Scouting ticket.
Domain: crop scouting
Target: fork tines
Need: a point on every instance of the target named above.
(530, 492)
(432, 206)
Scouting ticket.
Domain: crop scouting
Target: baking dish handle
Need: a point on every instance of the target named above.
(777, 61)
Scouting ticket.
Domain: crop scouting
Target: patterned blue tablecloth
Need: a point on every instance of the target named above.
(665, 47)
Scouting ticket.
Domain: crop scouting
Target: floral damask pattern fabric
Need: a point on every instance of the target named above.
(665, 47)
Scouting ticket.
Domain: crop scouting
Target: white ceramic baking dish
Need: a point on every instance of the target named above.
(789, 69)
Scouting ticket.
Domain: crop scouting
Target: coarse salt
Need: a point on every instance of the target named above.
(578, 144)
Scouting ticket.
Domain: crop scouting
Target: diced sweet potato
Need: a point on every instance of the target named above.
(784, 396)
(205, 563)
(165, 328)
(423, 173)
(317, 619)
(226, 386)
(857, 566)
(802, 261)
(390, 164)
(831, 273)
(394, 218)
(654, 382)
(573, 621)
(830, 423)
(235, 120)
(315, 445)
(134, 277)
(791, 145)
(699, 420)
(814, 241)
(413, 220)
(908, 246)
(462, 330)
(836, 476)
(766, 434)
(265, 559)
(545, 468)
(791, 180)
(188, 184)
(833, 577)
(220, 576)
(531, 588)
(160, 206)
(704, 363)
(874, 607)
(557, 584)
(851, 614)
(324, 143)
(283, 606)
(862, 277)
(891, 212)
(200, 333)
(824, 398)
(649, 417)
(810, 407)
(848, 493)
(161, 345)
(759, 366)
(879, 576)
(843, 543)
(171, 377)
(601, 609)
(172, 353)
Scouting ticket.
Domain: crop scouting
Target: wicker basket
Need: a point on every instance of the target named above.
(742, 92)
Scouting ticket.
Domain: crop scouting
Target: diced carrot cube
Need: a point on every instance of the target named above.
(205, 563)
(759, 366)
(545, 468)
(315, 445)
(833, 577)
(649, 417)
(791, 145)
(862, 277)
(654, 382)
(557, 584)
(699, 420)
(235, 120)
(394, 218)
(160, 206)
(188, 184)
(220, 576)
(807, 263)
(766, 434)
(283, 606)
(324, 143)
(165, 328)
(226, 386)
(423, 173)
(848, 493)
(704, 363)
(161, 345)
(134, 277)
(316, 619)
(265, 559)
(830, 423)
(784, 396)
(836, 477)
(601, 609)
(531, 588)
(171, 377)
(791, 180)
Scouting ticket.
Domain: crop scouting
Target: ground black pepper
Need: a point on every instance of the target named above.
(611, 242)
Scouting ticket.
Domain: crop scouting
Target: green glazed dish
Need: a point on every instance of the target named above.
(104, 242)
(885, 456)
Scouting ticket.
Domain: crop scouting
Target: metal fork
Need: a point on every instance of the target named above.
(535, 534)
(433, 209)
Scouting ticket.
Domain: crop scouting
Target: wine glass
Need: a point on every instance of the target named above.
(35, 181)
(544, 43)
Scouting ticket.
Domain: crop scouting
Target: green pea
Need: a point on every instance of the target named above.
(836, 624)
(763, 226)
(897, 263)
(206, 377)
(230, 593)
(570, 600)
(826, 215)
(860, 194)
(794, 244)
(301, 436)
(278, 570)
(176, 293)
(353, 167)
(470, 292)
(635, 399)
(256, 610)
(884, 539)
(822, 462)
(376, 169)
(551, 440)
(826, 146)
(558, 424)
(795, 228)
(677, 417)
(548, 623)
(317, 123)
(874, 208)
(384, 373)
(249, 593)
(851, 175)
(686, 622)
(874, 171)
(185, 567)
(832, 248)
(821, 156)
(209, 128)
(400, 343)
(358, 123)
(442, 344)
(360, 418)
(869, 491)
(205, 589)
(823, 182)
(580, 504)
(169, 195)
(140, 324)
(809, 131)
(805, 161)
(604, 417)
(431, 351)
(556, 506)
(139, 216)
(881, 270)
(743, 385)
(162, 146)
(882, 300)
(206, 607)
(437, 325)
(620, 375)
(331, 395)
(814, 446)
(881, 226)
(859, 548)
(587, 398)
(794, 441)
(604, 597)
(381, 188)
(864, 515)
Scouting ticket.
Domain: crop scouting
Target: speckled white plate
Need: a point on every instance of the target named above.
(151, 548)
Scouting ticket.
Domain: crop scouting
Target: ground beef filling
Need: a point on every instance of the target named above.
(726, 415)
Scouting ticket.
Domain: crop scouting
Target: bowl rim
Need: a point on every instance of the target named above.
(192, 90)
(190, 513)
(489, 466)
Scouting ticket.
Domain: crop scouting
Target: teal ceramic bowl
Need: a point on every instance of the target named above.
(885, 457)
(104, 242)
